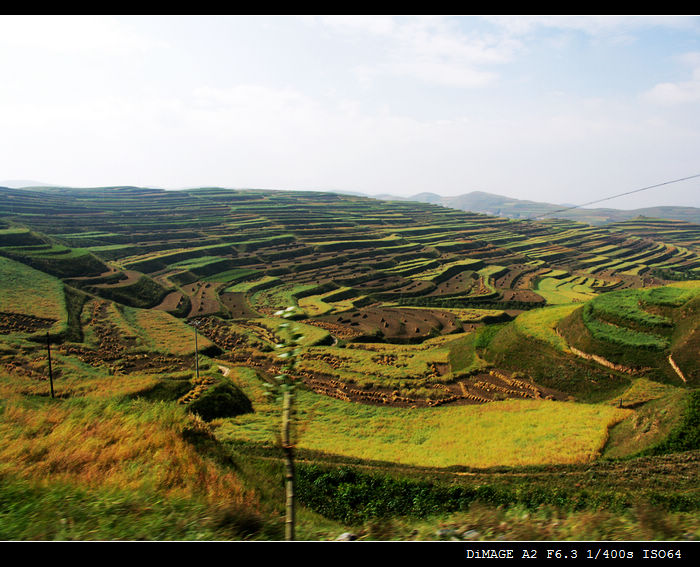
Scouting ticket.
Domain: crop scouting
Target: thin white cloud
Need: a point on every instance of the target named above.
(258, 136)
(150, 124)
(682, 92)
(610, 26)
(71, 34)
(431, 49)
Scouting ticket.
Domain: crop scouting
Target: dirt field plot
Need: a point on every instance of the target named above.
(237, 305)
(382, 283)
(171, 301)
(18, 323)
(459, 284)
(395, 323)
(204, 297)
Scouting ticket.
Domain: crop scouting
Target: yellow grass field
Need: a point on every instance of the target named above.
(30, 292)
(540, 324)
(508, 433)
(167, 333)
(130, 445)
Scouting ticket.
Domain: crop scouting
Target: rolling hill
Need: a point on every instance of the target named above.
(435, 342)
(488, 203)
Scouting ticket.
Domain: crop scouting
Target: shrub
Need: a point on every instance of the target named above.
(686, 436)
(221, 400)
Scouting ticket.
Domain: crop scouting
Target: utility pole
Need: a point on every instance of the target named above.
(48, 350)
(288, 450)
(282, 388)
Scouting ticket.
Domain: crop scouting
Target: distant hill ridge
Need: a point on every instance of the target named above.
(481, 202)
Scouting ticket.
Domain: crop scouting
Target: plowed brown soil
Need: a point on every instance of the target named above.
(19, 323)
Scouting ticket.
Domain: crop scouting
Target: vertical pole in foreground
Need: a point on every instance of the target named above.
(48, 350)
(288, 465)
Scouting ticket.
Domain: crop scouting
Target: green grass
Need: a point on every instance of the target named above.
(567, 504)
(30, 292)
(562, 291)
(625, 306)
(540, 324)
(547, 365)
(311, 335)
(161, 332)
(334, 301)
(685, 434)
(231, 275)
(622, 336)
(58, 261)
(143, 293)
(650, 424)
(280, 296)
(250, 286)
(37, 511)
(513, 432)
(96, 468)
(463, 356)
(674, 295)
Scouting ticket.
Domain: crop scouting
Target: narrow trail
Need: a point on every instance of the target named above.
(675, 367)
(684, 465)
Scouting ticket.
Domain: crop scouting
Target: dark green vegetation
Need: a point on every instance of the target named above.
(686, 435)
(349, 495)
(652, 333)
(409, 305)
(222, 399)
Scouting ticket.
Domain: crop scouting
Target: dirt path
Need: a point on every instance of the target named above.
(675, 367)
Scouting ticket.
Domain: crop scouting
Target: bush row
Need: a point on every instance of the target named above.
(347, 495)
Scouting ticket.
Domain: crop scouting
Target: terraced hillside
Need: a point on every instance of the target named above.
(369, 276)
(675, 232)
(431, 337)
(654, 332)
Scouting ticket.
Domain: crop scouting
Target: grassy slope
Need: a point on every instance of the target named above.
(527, 432)
(548, 365)
(639, 329)
(111, 469)
(165, 458)
(44, 299)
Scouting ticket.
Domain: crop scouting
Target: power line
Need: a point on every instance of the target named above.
(619, 195)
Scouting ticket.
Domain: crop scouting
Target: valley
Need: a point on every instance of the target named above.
(476, 360)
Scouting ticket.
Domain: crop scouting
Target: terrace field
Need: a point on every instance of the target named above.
(432, 341)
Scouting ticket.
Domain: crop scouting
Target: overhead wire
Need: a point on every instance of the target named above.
(541, 216)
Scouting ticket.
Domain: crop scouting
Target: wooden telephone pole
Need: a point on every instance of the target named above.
(48, 350)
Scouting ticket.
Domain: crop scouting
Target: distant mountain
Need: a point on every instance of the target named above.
(20, 183)
(433, 198)
(386, 197)
(480, 202)
(498, 205)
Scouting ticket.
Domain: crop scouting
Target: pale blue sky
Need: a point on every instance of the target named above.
(559, 109)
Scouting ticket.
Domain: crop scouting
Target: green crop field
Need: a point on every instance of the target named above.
(561, 291)
(30, 292)
(449, 366)
(540, 324)
(504, 433)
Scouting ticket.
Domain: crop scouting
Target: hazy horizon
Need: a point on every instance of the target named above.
(547, 109)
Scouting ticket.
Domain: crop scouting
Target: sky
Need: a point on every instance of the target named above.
(560, 109)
